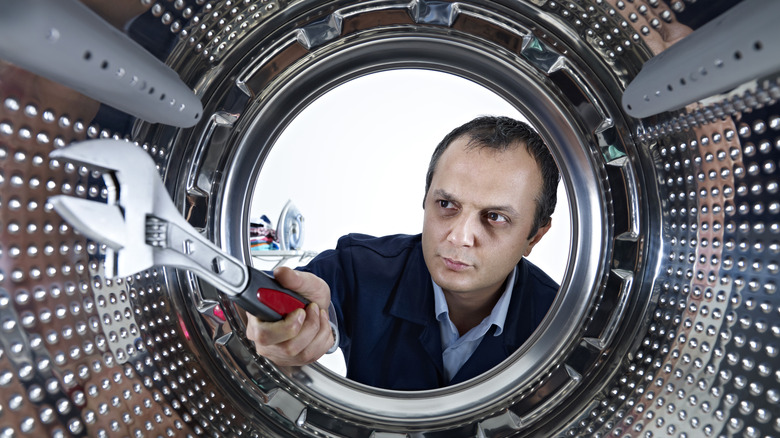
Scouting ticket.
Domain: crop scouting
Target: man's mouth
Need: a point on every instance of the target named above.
(455, 265)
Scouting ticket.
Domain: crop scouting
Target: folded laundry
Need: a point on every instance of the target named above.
(262, 236)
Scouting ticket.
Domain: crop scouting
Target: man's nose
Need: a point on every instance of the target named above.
(464, 230)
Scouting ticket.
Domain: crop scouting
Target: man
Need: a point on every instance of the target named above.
(426, 311)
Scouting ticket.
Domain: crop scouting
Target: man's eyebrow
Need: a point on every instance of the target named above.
(508, 209)
(440, 193)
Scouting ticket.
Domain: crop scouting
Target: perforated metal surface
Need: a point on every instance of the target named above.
(668, 320)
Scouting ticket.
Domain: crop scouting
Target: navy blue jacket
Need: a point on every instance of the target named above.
(390, 337)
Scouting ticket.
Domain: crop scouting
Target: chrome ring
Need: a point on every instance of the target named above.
(667, 319)
(241, 135)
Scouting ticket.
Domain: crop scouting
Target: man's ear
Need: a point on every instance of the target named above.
(537, 237)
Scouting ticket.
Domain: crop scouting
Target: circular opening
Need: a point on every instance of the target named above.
(354, 161)
(535, 364)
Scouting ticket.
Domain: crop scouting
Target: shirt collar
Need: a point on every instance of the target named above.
(497, 316)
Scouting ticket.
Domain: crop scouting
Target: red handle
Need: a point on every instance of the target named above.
(280, 302)
(266, 299)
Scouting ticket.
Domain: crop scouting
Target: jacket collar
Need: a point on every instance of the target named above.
(520, 319)
(413, 301)
(519, 324)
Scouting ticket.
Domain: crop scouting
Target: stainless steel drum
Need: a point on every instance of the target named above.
(668, 319)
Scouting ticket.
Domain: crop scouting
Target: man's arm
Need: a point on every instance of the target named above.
(304, 335)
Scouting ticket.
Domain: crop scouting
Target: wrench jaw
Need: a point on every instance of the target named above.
(131, 181)
(95, 221)
(139, 224)
(103, 223)
(111, 262)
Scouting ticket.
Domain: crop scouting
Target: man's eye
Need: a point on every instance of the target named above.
(445, 204)
(496, 217)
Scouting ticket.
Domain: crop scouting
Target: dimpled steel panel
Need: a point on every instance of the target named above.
(668, 320)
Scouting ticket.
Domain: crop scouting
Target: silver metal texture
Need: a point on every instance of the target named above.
(667, 323)
(65, 41)
(734, 48)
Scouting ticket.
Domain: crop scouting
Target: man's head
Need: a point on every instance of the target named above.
(488, 202)
(502, 133)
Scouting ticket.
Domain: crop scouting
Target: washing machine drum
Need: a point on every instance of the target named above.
(666, 323)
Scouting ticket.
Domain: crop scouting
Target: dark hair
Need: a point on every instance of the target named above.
(504, 133)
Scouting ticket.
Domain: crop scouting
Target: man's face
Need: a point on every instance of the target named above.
(479, 211)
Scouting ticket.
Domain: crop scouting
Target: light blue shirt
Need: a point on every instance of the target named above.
(456, 349)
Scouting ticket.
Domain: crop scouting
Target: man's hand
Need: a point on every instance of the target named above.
(303, 335)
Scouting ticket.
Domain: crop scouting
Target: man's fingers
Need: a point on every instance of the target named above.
(305, 283)
(289, 278)
(296, 345)
(271, 333)
(304, 334)
(325, 335)
(312, 339)
(321, 342)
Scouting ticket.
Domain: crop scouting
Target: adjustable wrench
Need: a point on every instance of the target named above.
(141, 228)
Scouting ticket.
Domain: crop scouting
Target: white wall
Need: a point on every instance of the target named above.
(355, 159)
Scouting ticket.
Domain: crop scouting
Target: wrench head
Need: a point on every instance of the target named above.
(133, 185)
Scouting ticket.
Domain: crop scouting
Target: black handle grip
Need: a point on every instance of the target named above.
(266, 299)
